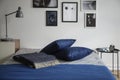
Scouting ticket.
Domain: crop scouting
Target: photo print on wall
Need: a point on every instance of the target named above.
(45, 3)
(51, 18)
(88, 4)
(90, 19)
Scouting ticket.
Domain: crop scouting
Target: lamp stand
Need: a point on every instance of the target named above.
(6, 36)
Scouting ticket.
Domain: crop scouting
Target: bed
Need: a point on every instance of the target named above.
(59, 60)
(90, 67)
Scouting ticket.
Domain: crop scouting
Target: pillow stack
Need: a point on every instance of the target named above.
(62, 50)
(58, 45)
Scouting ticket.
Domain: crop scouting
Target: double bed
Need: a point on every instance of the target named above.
(90, 67)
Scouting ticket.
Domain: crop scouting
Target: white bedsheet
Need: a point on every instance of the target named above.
(93, 58)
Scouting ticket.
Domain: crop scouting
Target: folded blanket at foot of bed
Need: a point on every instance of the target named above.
(36, 60)
(58, 72)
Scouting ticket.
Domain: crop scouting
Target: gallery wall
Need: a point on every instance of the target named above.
(33, 32)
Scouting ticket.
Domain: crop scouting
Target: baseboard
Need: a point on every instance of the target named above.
(115, 67)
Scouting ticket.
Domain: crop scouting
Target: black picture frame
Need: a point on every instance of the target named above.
(90, 19)
(51, 18)
(69, 11)
(45, 3)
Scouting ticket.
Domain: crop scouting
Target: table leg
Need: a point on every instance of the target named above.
(118, 64)
(101, 55)
(113, 62)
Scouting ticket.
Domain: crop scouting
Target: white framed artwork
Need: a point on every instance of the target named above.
(45, 3)
(69, 11)
(88, 5)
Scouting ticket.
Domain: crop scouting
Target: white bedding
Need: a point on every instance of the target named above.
(93, 58)
(90, 59)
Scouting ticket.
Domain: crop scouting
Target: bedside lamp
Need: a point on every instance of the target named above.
(19, 14)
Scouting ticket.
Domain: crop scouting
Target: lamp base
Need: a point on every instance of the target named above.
(7, 39)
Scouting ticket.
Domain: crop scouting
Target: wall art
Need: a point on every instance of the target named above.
(69, 11)
(51, 18)
(90, 19)
(45, 3)
(88, 4)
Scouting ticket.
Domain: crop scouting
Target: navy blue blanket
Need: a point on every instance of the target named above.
(58, 72)
(36, 60)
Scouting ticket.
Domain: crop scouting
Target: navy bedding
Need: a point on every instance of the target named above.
(36, 60)
(58, 72)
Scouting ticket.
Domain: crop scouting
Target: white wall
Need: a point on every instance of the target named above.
(33, 33)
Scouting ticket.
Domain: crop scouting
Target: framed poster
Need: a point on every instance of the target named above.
(45, 3)
(88, 4)
(90, 19)
(69, 11)
(51, 18)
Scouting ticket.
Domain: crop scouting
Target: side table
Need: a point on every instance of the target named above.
(7, 48)
(115, 51)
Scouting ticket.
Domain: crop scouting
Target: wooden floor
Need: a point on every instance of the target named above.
(115, 73)
(118, 78)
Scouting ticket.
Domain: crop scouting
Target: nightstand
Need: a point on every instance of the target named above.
(7, 48)
(115, 51)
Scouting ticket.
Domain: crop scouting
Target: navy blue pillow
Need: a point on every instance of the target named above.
(73, 53)
(57, 45)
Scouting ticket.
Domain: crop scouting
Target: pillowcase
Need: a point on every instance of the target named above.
(36, 60)
(57, 45)
(73, 53)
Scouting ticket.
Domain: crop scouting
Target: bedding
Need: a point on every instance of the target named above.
(73, 53)
(67, 70)
(93, 58)
(58, 72)
(57, 45)
(36, 60)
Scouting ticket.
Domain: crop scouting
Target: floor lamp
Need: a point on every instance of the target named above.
(19, 14)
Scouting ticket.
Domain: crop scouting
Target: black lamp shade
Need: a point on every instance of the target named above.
(19, 13)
